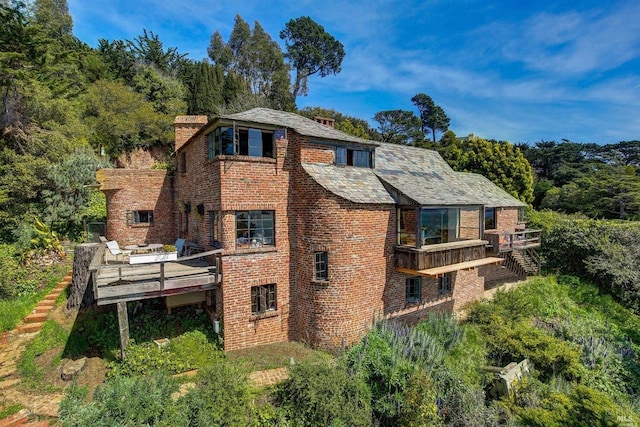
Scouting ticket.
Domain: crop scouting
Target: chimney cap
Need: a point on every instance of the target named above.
(185, 120)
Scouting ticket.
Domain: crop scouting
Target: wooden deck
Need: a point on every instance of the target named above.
(122, 282)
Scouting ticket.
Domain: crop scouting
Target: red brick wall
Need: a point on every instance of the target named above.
(470, 223)
(138, 189)
(238, 183)
(185, 127)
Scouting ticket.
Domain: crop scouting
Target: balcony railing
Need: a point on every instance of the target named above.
(130, 282)
(519, 240)
(439, 255)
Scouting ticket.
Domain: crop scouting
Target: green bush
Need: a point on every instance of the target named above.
(127, 402)
(326, 395)
(221, 398)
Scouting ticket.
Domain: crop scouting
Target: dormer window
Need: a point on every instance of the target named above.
(351, 157)
(243, 141)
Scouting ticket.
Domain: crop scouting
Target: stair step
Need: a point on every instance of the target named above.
(50, 297)
(35, 318)
(9, 383)
(30, 327)
(18, 419)
(44, 308)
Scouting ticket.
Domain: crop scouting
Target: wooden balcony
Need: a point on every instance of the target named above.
(507, 242)
(123, 282)
(435, 260)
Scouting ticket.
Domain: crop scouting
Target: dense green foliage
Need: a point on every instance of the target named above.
(605, 252)
(499, 161)
(399, 127)
(601, 181)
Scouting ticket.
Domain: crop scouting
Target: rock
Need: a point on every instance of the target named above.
(73, 368)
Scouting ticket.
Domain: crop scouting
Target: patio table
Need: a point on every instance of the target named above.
(144, 248)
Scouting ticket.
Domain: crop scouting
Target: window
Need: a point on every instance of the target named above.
(414, 289)
(215, 235)
(349, 157)
(321, 264)
(183, 163)
(444, 283)
(489, 218)
(440, 225)
(255, 229)
(143, 217)
(245, 142)
(263, 298)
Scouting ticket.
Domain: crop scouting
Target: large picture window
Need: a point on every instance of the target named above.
(255, 228)
(263, 298)
(440, 225)
(245, 142)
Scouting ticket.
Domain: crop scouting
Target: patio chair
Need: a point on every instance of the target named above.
(115, 250)
(180, 246)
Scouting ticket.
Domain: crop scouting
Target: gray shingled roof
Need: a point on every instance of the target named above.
(423, 176)
(359, 185)
(491, 195)
(302, 125)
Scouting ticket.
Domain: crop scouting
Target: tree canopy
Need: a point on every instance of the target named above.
(433, 116)
(311, 50)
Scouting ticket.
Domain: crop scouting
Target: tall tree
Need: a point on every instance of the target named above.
(311, 50)
(149, 50)
(54, 17)
(433, 116)
(257, 62)
(399, 127)
(205, 85)
(122, 120)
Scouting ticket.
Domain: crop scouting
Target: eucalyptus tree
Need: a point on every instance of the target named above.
(311, 50)
(252, 59)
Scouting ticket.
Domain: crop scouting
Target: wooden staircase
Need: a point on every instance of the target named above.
(522, 262)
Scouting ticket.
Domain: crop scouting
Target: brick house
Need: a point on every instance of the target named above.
(321, 231)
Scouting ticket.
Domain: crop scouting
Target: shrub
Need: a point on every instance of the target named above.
(326, 395)
(125, 401)
(221, 398)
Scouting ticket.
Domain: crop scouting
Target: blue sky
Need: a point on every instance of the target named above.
(508, 70)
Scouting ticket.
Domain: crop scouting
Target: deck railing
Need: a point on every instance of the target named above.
(508, 241)
(128, 282)
(439, 255)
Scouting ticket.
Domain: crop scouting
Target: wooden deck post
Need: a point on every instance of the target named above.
(123, 323)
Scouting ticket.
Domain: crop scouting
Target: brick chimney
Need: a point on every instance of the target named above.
(325, 121)
(186, 126)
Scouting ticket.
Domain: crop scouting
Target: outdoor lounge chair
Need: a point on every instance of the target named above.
(115, 250)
